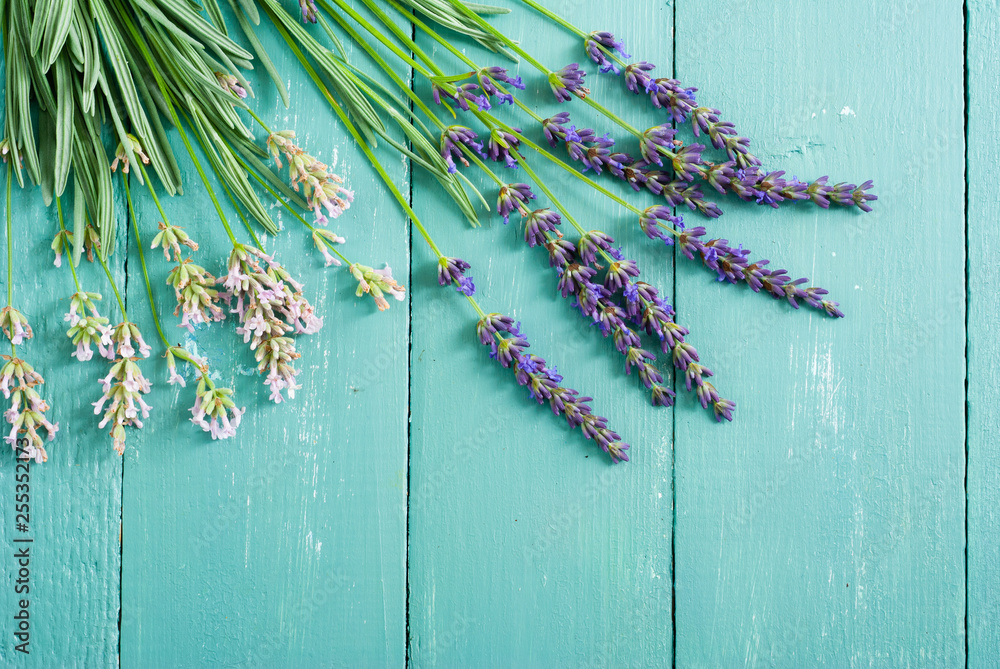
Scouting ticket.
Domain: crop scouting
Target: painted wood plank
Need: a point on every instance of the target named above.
(286, 545)
(75, 497)
(983, 350)
(826, 525)
(528, 548)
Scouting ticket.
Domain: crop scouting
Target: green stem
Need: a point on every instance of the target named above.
(555, 17)
(167, 98)
(402, 36)
(573, 29)
(377, 34)
(142, 259)
(358, 139)
(509, 43)
(10, 248)
(114, 286)
(292, 211)
(62, 226)
(413, 18)
(10, 242)
(569, 217)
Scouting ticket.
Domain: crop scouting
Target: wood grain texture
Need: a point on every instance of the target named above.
(826, 525)
(528, 548)
(285, 546)
(76, 496)
(983, 77)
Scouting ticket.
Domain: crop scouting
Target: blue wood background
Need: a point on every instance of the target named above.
(413, 507)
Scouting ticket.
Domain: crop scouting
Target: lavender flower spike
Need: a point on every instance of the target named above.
(19, 383)
(567, 82)
(508, 347)
(598, 43)
(452, 270)
(513, 197)
(488, 76)
(377, 283)
(502, 144)
(452, 138)
(14, 325)
(310, 13)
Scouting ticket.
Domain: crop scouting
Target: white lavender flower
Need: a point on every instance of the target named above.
(377, 282)
(197, 298)
(322, 239)
(61, 243)
(172, 237)
(231, 84)
(324, 190)
(270, 304)
(121, 155)
(123, 387)
(214, 410)
(88, 329)
(26, 414)
(14, 325)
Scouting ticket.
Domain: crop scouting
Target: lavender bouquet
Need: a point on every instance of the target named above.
(143, 70)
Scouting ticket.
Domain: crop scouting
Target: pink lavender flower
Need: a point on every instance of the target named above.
(231, 84)
(123, 388)
(121, 156)
(324, 191)
(172, 238)
(88, 327)
(197, 298)
(61, 243)
(322, 239)
(214, 410)
(19, 383)
(377, 283)
(270, 304)
(14, 325)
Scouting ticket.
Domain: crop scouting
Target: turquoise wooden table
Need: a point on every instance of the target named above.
(411, 507)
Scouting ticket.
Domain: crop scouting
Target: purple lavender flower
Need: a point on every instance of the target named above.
(670, 95)
(508, 347)
(590, 244)
(596, 155)
(452, 270)
(511, 197)
(452, 139)
(568, 82)
(560, 251)
(555, 128)
(598, 44)
(539, 222)
(310, 13)
(734, 264)
(654, 140)
(636, 77)
(573, 277)
(503, 146)
(463, 95)
(488, 76)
